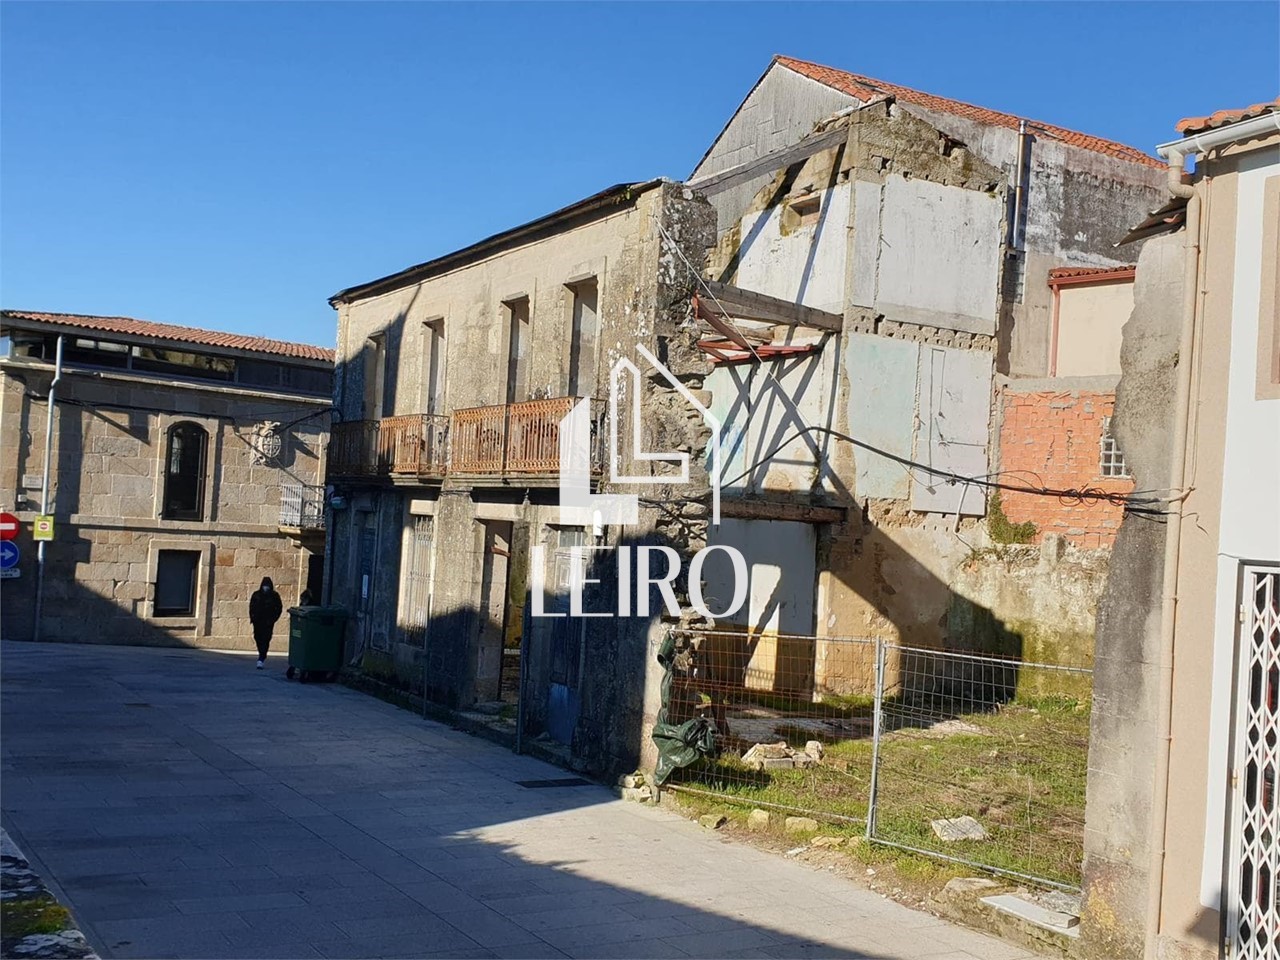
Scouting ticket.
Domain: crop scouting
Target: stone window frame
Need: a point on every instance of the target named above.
(516, 289)
(1268, 375)
(198, 622)
(212, 467)
(592, 269)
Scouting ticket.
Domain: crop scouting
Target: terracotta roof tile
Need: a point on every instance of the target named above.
(1081, 273)
(866, 88)
(1190, 125)
(168, 331)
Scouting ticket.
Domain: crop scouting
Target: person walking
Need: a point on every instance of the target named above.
(264, 610)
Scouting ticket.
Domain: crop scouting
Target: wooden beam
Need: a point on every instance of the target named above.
(749, 305)
(779, 159)
(742, 509)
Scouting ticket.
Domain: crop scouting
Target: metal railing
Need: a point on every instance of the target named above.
(414, 445)
(509, 438)
(967, 757)
(504, 439)
(302, 506)
(353, 449)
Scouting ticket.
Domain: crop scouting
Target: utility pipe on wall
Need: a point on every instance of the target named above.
(44, 485)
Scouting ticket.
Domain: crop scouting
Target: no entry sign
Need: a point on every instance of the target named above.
(8, 526)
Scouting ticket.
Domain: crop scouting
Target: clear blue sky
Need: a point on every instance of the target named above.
(232, 165)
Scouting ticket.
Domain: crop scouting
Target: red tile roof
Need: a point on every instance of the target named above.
(866, 88)
(1082, 274)
(1190, 125)
(168, 331)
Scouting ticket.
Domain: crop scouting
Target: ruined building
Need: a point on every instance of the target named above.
(940, 234)
(849, 260)
(180, 467)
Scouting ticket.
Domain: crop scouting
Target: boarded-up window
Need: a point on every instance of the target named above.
(951, 435)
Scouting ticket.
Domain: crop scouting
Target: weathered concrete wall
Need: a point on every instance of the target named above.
(782, 108)
(1052, 437)
(110, 433)
(1122, 741)
(1090, 320)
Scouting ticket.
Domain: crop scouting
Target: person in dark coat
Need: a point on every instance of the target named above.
(264, 610)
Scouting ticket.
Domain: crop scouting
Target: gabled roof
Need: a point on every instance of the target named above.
(1189, 125)
(867, 88)
(127, 326)
(617, 195)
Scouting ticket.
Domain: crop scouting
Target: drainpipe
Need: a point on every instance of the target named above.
(1019, 189)
(44, 485)
(1173, 540)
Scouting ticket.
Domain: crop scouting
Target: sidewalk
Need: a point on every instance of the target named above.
(191, 806)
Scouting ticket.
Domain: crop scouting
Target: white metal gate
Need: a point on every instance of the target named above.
(1253, 917)
(417, 581)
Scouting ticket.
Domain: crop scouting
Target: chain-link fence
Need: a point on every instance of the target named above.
(964, 756)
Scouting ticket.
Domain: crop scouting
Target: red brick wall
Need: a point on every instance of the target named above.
(1053, 439)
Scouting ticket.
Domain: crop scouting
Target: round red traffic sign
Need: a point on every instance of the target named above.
(8, 526)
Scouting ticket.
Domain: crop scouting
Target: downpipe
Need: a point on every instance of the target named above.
(1172, 549)
(44, 485)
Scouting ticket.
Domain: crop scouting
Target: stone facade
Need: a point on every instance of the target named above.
(108, 490)
(437, 569)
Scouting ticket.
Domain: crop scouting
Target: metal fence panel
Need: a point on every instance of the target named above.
(968, 757)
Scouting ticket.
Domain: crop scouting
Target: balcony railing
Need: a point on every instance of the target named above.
(353, 449)
(302, 506)
(415, 445)
(512, 438)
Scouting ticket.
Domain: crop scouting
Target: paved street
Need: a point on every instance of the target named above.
(186, 805)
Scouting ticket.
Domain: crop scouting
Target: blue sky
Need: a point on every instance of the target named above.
(232, 165)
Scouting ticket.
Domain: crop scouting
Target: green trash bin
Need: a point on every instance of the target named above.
(315, 642)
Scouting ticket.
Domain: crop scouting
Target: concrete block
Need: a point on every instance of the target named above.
(958, 828)
(801, 825)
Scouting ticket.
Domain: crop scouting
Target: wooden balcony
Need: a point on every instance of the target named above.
(505, 440)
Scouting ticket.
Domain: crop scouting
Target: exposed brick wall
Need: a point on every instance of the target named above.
(1054, 438)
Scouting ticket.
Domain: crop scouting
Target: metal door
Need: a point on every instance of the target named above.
(1253, 917)
(417, 581)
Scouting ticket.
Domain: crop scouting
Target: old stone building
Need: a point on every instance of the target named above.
(453, 377)
(183, 466)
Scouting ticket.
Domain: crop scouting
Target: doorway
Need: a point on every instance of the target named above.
(491, 636)
(1253, 916)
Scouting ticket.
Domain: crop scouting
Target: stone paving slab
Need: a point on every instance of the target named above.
(191, 806)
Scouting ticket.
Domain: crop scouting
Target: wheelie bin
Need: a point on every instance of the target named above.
(315, 642)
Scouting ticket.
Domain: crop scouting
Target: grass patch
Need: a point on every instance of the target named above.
(1018, 768)
(22, 918)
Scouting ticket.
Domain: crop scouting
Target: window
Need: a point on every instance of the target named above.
(517, 317)
(375, 371)
(584, 330)
(175, 594)
(433, 356)
(184, 469)
(1113, 464)
(804, 211)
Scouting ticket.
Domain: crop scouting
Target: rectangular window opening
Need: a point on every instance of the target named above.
(1112, 457)
(175, 588)
(584, 334)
